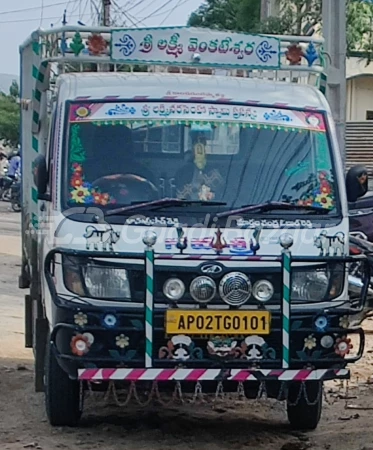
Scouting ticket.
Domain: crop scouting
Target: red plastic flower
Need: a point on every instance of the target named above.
(96, 197)
(323, 175)
(326, 189)
(96, 44)
(76, 182)
(80, 345)
(77, 167)
(294, 54)
(343, 346)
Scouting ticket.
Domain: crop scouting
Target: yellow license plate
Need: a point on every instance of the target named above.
(217, 322)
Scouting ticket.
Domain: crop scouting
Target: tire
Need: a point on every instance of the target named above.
(16, 207)
(5, 196)
(304, 416)
(62, 398)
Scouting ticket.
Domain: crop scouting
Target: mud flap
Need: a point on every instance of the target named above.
(28, 321)
(40, 344)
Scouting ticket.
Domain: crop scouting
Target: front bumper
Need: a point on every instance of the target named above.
(137, 348)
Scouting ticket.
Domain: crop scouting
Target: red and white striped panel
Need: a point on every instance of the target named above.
(238, 375)
(217, 258)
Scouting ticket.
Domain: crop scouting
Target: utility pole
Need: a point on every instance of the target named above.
(264, 9)
(269, 8)
(334, 31)
(106, 13)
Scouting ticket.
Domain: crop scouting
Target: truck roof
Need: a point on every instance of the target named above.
(105, 85)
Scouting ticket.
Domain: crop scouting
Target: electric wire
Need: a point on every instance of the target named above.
(41, 13)
(35, 19)
(157, 10)
(172, 10)
(33, 8)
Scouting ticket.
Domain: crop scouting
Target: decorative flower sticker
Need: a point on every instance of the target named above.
(343, 346)
(80, 345)
(122, 341)
(80, 194)
(76, 182)
(294, 54)
(82, 112)
(324, 200)
(81, 319)
(96, 44)
(83, 191)
(310, 342)
(344, 322)
(321, 323)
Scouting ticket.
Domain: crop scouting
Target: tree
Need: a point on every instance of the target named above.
(296, 16)
(9, 119)
(14, 90)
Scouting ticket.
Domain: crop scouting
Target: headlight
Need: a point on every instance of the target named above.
(106, 282)
(174, 289)
(202, 289)
(95, 280)
(317, 284)
(263, 290)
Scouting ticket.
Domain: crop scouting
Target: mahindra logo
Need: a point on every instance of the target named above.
(211, 268)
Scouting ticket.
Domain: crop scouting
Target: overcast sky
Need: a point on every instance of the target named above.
(15, 27)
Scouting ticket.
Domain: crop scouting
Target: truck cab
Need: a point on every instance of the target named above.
(185, 216)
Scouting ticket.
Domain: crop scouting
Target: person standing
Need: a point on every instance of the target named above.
(4, 163)
(14, 169)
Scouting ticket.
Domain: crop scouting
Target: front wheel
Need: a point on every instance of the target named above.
(16, 207)
(6, 195)
(304, 405)
(62, 395)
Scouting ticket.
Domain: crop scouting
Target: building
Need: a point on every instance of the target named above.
(359, 112)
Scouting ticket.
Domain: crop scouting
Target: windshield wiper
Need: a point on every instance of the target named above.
(159, 204)
(270, 206)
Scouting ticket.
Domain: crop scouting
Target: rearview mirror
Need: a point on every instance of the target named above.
(356, 183)
(40, 173)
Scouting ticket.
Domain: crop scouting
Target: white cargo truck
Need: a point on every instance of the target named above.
(185, 218)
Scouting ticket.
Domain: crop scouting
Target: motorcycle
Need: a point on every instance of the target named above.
(5, 190)
(15, 196)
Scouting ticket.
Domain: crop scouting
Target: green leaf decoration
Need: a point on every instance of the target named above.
(130, 354)
(302, 356)
(316, 354)
(296, 325)
(77, 152)
(137, 324)
(77, 44)
(114, 354)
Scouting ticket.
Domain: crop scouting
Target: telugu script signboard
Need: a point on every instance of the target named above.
(182, 111)
(193, 46)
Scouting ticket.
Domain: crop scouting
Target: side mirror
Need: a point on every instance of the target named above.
(40, 173)
(356, 183)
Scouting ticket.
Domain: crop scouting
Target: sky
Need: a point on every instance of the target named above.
(18, 18)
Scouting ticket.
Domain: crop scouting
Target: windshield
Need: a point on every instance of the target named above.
(123, 154)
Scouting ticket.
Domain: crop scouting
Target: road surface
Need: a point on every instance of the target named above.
(233, 426)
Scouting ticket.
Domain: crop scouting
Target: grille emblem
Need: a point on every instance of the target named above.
(211, 268)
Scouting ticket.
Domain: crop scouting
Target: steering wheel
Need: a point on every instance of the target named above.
(127, 188)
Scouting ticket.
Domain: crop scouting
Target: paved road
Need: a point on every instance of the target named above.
(233, 426)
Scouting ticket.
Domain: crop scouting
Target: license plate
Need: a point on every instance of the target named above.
(217, 322)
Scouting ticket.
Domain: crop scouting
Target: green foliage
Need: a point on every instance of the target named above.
(295, 17)
(77, 152)
(14, 90)
(9, 117)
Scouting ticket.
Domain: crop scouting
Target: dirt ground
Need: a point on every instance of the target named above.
(235, 426)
